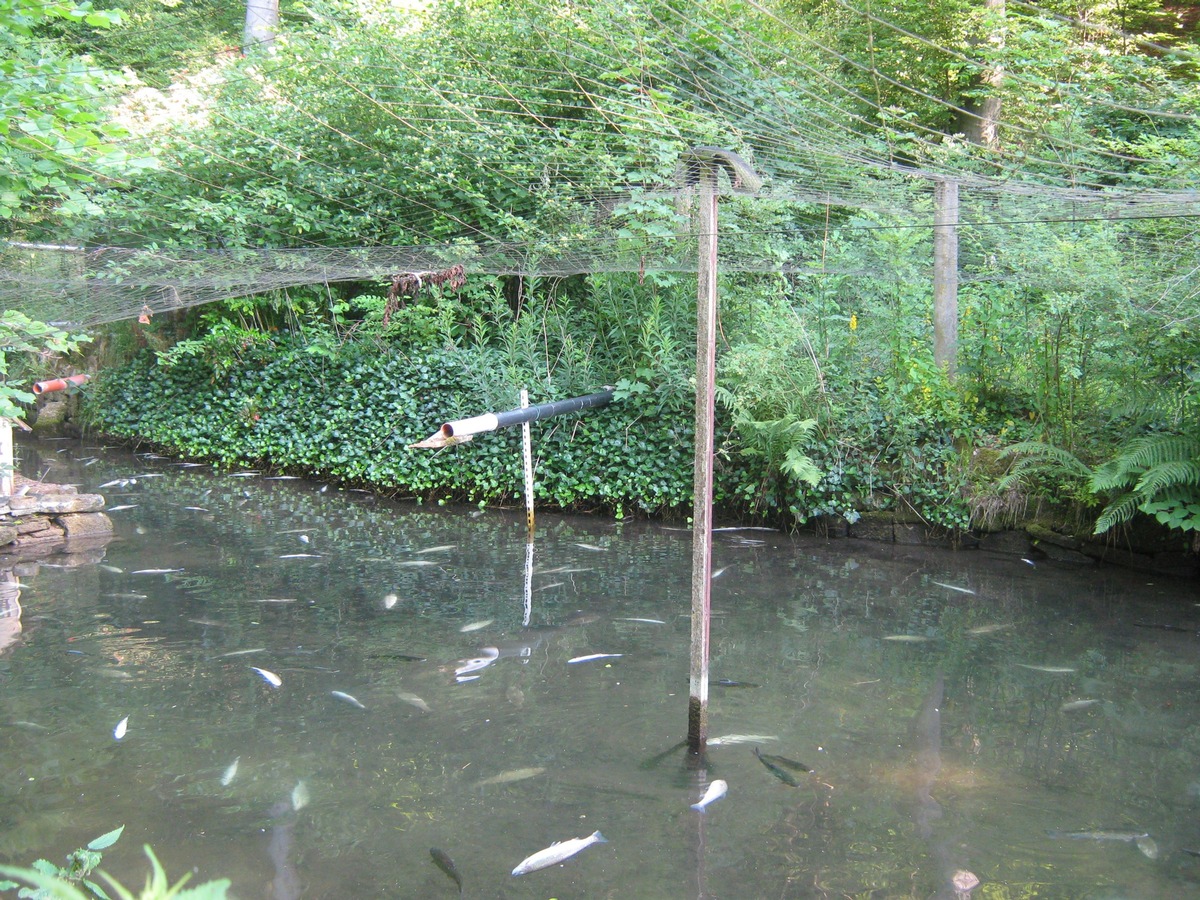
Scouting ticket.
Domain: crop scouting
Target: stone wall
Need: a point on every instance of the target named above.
(39, 517)
(1147, 548)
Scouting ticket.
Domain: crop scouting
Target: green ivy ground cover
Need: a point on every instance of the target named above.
(352, 417)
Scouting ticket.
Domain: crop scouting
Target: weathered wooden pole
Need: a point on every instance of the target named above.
(700, 170)
(706, 372)
(527, 454)
(7, 463)
(945, 275)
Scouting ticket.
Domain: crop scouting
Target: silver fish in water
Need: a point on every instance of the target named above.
(269, 677)
(557, 852)
(715, 792)
(353, 701)
(953, 587)
(230, 773)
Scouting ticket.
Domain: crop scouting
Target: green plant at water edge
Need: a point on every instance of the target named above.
(71, 882)
(26, 344)
(1157, 474)
(79, 866)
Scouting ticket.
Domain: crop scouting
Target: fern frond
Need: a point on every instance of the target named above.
(1117, 512)
(1032, 454)
(1142, 453)
(1172, 474)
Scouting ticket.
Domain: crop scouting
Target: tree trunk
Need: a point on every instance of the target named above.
(262, 19)
(980, 121)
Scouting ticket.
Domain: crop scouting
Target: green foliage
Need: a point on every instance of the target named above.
(54, 134)
(1158, 474)
(73, 882)
(26, 348)
(351, 416)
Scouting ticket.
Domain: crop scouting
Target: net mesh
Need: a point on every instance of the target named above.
(797, 108)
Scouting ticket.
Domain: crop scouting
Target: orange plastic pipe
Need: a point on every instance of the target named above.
(59, 384)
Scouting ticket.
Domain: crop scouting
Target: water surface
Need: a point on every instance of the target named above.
(912, 682)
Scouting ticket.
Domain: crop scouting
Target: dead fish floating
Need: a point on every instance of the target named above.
(512, 775)
(591, 656)
(953, 587)
(269, 677)
(557, 852)
(347, 698)
(716, 791)
(1142, 839)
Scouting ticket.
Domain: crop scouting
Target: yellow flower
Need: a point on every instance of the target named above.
(854, 322)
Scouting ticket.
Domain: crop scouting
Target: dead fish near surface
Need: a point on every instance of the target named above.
(353, 701)
(557, 852)
(715, 792)
(1072, 705)
(591, 656)
(439, 549)
(230, 773)
(512, 775)
(640, 619)
(476, 626)
(300, 556)
(269, 677)
(779, 766)
(121, 729)
(300, 796)
(953, 587)
(726, 740)
(989, 629)
(155, 571)
(1053, 670)
(1142, 839)
(413, 700)
(908, 638)
(443, 861)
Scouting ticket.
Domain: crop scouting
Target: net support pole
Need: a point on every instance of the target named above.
(945, 275)
(706, 352)
(7, 467)
(527, 452)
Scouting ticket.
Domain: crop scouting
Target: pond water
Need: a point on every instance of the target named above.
(961, 713)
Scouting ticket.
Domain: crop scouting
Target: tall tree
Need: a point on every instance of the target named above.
(262, 20)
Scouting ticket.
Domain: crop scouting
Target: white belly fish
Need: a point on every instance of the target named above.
(715, 791)
(558, 852)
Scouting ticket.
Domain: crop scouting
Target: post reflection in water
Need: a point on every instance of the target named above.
(949, 734)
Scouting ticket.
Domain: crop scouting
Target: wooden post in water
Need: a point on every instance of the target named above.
(527, 453)
(701, 166)
(706, 370)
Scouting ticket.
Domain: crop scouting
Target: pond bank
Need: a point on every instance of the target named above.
(1143, 547)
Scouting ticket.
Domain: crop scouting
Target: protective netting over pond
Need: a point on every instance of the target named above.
(559, 153)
